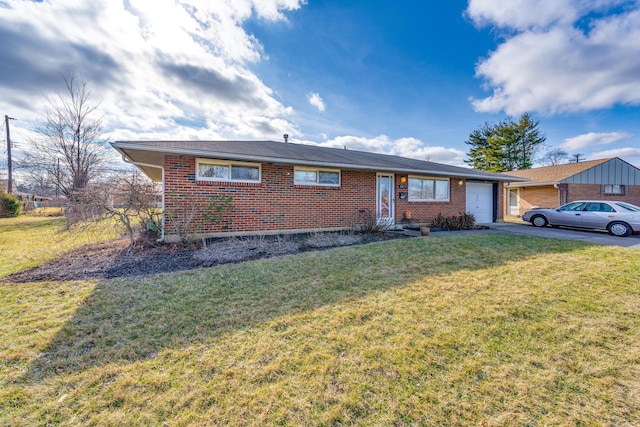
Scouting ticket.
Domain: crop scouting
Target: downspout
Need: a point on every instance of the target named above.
(131, 162)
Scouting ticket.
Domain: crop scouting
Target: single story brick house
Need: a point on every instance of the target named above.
(280, 187)
(552, 186)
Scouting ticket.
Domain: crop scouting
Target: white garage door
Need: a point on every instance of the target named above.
(480, 201)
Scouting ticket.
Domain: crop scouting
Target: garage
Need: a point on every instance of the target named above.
(480, 201)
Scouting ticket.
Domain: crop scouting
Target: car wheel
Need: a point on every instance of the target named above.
(619, 229)
(539, 221)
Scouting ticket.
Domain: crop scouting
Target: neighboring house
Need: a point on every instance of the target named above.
(32, 201)
(282, 187)
(552, 186)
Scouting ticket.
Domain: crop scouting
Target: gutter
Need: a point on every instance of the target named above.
(532, 184)
(131, 162)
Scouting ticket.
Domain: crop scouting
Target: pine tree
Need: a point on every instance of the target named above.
(505, 146)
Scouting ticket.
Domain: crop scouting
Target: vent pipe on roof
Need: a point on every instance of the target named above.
(286, 137)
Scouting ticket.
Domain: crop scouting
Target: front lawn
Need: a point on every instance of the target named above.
(31, 240)
(462, 330)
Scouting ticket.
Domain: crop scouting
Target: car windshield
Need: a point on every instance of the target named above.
(627, 206)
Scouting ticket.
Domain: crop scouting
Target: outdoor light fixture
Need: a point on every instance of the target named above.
(403, 179)
(460, 182)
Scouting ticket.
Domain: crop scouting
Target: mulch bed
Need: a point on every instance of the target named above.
(114, 259)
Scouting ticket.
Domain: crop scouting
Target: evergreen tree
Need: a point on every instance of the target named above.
(505, 146)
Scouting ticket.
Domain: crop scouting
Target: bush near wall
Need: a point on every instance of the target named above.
(464, 221)
(10, 206)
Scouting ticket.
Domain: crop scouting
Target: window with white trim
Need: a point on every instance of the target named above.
(312, 176)
(220, 170)
(428, 189)
(612, 189)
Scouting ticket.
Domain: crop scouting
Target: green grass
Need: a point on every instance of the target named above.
(31, 240)
(474, 330)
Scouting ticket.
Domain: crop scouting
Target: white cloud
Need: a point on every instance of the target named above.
(315, 100)
(525, 14)
(166, 68)
(593, 139)
(451, 156)
(521, 14)
(628, 154)
(552, 64)
(379, 144)
(405, 147)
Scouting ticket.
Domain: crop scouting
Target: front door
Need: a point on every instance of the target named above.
(514, 205)
(384, 199)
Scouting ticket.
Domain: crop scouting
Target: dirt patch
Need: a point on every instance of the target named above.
(113, 259)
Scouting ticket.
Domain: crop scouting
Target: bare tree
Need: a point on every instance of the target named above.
(129, 200)
(70, 149)
(554, 157)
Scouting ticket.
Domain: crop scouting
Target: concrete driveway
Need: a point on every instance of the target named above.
(599, 237)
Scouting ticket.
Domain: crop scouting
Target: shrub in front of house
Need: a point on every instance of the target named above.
(10, 206)
(464, 221)
(366, 222)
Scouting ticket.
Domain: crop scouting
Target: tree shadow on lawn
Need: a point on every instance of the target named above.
(124, 320)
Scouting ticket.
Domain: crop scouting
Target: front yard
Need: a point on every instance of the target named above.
(463, 330)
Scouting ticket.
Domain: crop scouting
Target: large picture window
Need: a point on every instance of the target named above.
(428, 189)
(309, 176)
(214, 170)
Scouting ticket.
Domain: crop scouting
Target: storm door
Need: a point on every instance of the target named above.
(384, 199)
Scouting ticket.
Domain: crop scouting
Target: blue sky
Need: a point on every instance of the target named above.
(411, 78)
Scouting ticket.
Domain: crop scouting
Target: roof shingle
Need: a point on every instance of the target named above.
(555, 173)
(289, 153)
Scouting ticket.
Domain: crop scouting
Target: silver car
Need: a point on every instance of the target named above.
(618, 218)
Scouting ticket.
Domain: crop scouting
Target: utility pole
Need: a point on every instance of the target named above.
(10, 167)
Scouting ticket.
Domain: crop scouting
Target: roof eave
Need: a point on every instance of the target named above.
(120, 147)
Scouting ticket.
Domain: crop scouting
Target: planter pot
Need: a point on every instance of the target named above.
(425, 231)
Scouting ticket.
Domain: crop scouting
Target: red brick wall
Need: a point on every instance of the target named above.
(424, 212)
(589, 191)
(501, 201)
(546, 196)
(276, 204)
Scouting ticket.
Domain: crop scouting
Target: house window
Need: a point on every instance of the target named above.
(214, 170)
(428, 189)
(612, 189)
(307, 176)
